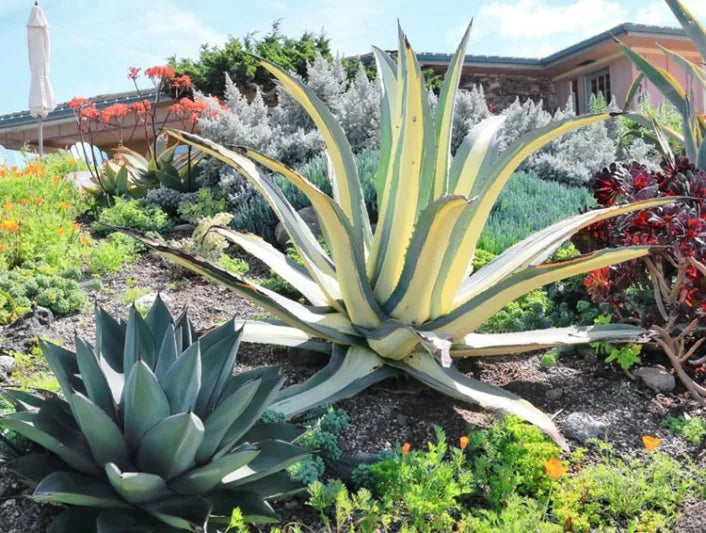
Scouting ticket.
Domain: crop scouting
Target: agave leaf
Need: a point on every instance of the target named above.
(104, 438)
(320, 323)
(472, 312)
(223, 417)
(64, 366)
(136, 487)
(406, 187)
(109, 348)
(444, 117)
(132, 159)
(184, 332)
(481, 345)
(411, 300)
(253, 508)
(159, 319)
(316, 261)
(645, 120)
(77, 489)
(97, 387)
(219, 349)
(277, 332)
(352, 375)
(539, 246)
(274, 456)
(635, 86)
(167, 354)
(168, 449)
(76, 520)
(183, 380)
(344, 241)
(189, 513)
(389, 115)
(663, 80)
(34, 467)
(345, 181)
(23, 400)
(290, 271)
(48, 433)
(202, 479)
(139, 343)
(270, 382)
(453, 383)
(691, 25)
(112, 521)
(477, 152)
(144, 403)
(696, 72)
(274, 487)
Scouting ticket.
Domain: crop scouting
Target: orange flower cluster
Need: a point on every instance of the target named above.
(182, 83)
(115, 111)
(188, 110)
(9, 225)
(141, 108)
(554, 468)
(160, 72)
(77, 103)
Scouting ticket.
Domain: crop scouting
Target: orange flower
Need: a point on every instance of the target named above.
(554, 468)
(463, 442)
(60, 231)
(65, 205)
(75, 226)
(406, 447)
(8, 206)
(650, 442)
(56, 180)
(39, 201)
(23, 201)
(9, 225)
(2, 247)
(71, 161)
(84, 240)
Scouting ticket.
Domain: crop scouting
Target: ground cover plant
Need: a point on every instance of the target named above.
(398, 301)
(153, 430)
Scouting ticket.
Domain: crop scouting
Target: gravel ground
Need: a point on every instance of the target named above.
(393, 411)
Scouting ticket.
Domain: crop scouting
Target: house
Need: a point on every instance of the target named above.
(595, 65)
(19, 130)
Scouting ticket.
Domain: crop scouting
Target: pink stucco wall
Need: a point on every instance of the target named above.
(663, 61)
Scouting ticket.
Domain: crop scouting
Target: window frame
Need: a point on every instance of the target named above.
(596, 75)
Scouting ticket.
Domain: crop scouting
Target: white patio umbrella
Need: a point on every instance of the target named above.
(41, 95)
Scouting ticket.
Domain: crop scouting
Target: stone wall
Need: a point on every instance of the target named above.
(502, 89)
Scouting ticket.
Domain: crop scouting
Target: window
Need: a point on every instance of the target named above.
(575, 95)
(598, 83)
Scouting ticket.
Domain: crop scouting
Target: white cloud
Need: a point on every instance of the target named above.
(659, 14)
(538, 18)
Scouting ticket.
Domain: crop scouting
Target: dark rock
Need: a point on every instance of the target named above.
(582, 426)
(656, 378)
(309, 216)
(184, 228)
(19, 336)
(693, 519)
(554, 394)
(23, 515)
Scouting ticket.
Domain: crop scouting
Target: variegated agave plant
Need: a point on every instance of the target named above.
(401, 299)
(693, 136)
(154, 433)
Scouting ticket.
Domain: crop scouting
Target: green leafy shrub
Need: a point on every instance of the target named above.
(519, 514)
(351, 512)
(208, 203)
(129, 213)
(693, 429)
(112, 252)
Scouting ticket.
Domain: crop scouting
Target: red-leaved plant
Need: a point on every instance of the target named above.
(665, 291)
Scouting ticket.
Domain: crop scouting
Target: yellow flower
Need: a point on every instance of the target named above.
(463, 442)
(554, 468)
(406, 447)
(9, 225)
(650, 442)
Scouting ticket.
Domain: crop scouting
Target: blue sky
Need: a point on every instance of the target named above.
(94, 41)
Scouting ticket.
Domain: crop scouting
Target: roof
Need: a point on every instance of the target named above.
(63, 111)
(532, 62)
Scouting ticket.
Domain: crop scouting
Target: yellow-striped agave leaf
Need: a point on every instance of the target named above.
(691, 25)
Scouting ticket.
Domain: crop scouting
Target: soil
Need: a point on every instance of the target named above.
(394, 411)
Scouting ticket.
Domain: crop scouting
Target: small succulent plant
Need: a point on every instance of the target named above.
(154, 433)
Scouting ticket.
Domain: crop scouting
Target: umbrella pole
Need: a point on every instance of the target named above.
(41, 138)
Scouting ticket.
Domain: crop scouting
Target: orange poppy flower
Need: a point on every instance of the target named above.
(2, 247)
(23, 201)
(406, 447)
(84, 240)
(65, 205)
(39, 201)
(650, 442)
(60, 231)
(8, 206)
(9, 225)
(554, 468)
(463, 442)
(75, 226)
